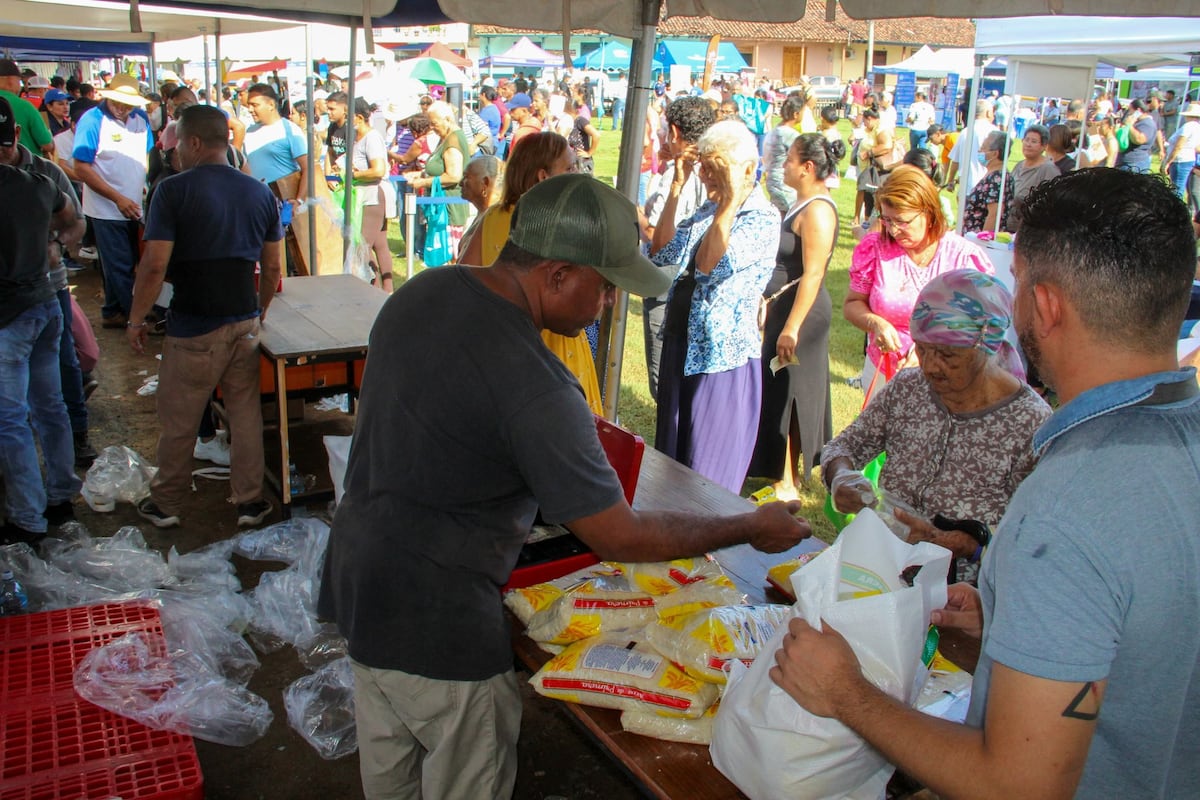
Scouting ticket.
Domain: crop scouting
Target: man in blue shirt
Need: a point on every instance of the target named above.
(215, 313)
(1088, 597)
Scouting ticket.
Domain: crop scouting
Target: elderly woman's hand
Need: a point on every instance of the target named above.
(852, 491)
(961, 544)
(726, 181)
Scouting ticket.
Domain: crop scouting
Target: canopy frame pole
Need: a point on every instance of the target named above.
(310, 170)
(967, 140)
(207, 74)
(348, 180)
(213, 99)
(611, 347)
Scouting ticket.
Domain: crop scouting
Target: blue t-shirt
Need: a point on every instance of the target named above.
(213, 213)
(272, 150)
(491, 115)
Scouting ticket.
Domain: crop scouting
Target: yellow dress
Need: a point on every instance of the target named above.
(574, 351)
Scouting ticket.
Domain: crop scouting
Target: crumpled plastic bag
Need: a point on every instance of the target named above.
(138, 677)
(320, 707)
(121, 562)
(224, 652)
(117, 474)
(49, 587)
(284, 541)
(325, 646)
(284, 605)
(207, 567)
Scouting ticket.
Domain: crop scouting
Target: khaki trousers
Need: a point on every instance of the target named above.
(191, 368)
(426, 739)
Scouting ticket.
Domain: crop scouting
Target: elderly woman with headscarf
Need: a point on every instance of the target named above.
(957, 431)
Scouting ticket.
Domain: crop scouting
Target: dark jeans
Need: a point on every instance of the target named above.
(654, 313)
(68, 367)
(117, 243)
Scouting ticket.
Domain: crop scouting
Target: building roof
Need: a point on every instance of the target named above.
(914, 31)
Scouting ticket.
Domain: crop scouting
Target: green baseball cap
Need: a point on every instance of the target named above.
(578, 219)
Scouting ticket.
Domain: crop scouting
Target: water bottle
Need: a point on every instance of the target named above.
(295, 480)
(13, 599)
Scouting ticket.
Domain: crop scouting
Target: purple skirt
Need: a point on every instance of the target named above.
(708, 422)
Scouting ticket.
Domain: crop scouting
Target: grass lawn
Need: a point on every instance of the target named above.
(635, 408)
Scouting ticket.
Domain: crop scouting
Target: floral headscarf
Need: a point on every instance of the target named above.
(966, 308)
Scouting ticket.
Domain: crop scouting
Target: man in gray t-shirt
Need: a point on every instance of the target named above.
(468, 427)
(1088, 682)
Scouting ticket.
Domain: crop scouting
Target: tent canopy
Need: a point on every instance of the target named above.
(928, 63)
(692, 53)
(1116, 41)
(612, 55)
(257, 69)
(24, 48)
(523, 54)
(442, 53)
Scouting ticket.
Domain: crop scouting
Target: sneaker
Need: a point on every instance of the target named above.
(89, 388)
(72, 265)
(253, 513)
(58, 513)
(215, 450)
(85, 454)
(12, 533)
(115, 321)
(148, 509)
(89, 253)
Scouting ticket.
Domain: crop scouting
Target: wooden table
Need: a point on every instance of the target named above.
(315, 319)
(672, 770)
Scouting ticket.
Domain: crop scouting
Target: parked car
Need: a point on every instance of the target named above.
(827, 88)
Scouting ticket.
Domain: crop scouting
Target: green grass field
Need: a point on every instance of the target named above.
(636, 410)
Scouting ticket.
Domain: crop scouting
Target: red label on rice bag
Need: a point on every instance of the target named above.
(617, 690)
(682, 578)
(642, 602)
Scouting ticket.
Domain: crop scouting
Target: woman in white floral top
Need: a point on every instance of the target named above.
(958, 430)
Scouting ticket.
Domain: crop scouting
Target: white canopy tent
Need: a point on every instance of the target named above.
(930, 63)
(329, 42)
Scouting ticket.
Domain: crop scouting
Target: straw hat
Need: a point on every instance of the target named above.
(397, 110)
(1192, 110)
(124, 89)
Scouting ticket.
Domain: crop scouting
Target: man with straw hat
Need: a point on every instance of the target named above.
(111, 145)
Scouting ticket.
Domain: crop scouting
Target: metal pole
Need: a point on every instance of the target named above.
(870, 68)
(612, 327)
(310, 171)
(213, 99)
(207, 76)
(348, 181)
(967, 140)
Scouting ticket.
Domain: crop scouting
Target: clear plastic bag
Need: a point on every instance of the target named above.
(284, 541)
(284, 605)
(326, 646)
(223, 651)
(137, 676)
(320, 707)
(117, 474)
(121, 562)
(49, 587)
(207, 567)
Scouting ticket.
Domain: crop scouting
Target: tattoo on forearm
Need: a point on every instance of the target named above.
(1085, 705)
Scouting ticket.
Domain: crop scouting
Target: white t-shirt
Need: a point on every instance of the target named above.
(1189, 134)
(920, 116)
(887, 118)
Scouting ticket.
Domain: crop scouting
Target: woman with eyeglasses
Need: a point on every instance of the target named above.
(890, 268)
(958, 432)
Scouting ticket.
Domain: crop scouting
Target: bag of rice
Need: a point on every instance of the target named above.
(708, 593)
(618, 671)
(664, 577)
(671, 729)
(780, 576)
(528, 600)
(705, 642)
(597, 605)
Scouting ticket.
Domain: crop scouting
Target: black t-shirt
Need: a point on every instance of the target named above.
(336, 141)
(467, 425)
(28, 203)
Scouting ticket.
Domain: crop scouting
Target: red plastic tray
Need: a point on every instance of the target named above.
(53, 743)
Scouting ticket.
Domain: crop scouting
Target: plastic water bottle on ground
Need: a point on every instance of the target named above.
(13, 599)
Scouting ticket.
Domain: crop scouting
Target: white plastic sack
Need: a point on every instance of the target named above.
(763, 740)
(338, 450)
(117, 474)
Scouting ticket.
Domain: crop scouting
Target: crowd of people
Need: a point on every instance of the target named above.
(730, 246)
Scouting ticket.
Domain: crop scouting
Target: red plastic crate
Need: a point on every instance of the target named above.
(55, 744)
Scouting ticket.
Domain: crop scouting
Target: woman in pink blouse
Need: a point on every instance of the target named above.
(890, 268)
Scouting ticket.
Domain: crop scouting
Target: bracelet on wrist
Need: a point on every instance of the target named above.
(137, 325)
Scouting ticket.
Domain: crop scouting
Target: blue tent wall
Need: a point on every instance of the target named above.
(691, 53)
(22, 48)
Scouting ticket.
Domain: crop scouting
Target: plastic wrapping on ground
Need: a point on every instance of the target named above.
(207, 568)
(121, 562)
(284, 606)
(224, 652)
(326, 645)
(704, 643)
(320, 707)
(117, 475)
(138, 677)
(49, 587)
(284, 541)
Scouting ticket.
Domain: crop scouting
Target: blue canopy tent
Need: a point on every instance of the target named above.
(692, 53)
(612, 55)
(27, 48)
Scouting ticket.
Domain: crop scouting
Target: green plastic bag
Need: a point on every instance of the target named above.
(871, 471)
(1122, 136)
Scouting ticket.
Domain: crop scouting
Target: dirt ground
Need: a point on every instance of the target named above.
(557, 760)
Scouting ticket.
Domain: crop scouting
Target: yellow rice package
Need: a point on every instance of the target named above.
(619, 671)
(671, 729)
(705, 642)
(664, 577)
(780, 575)
(708, 593)
(597, 605)
(528, 600)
